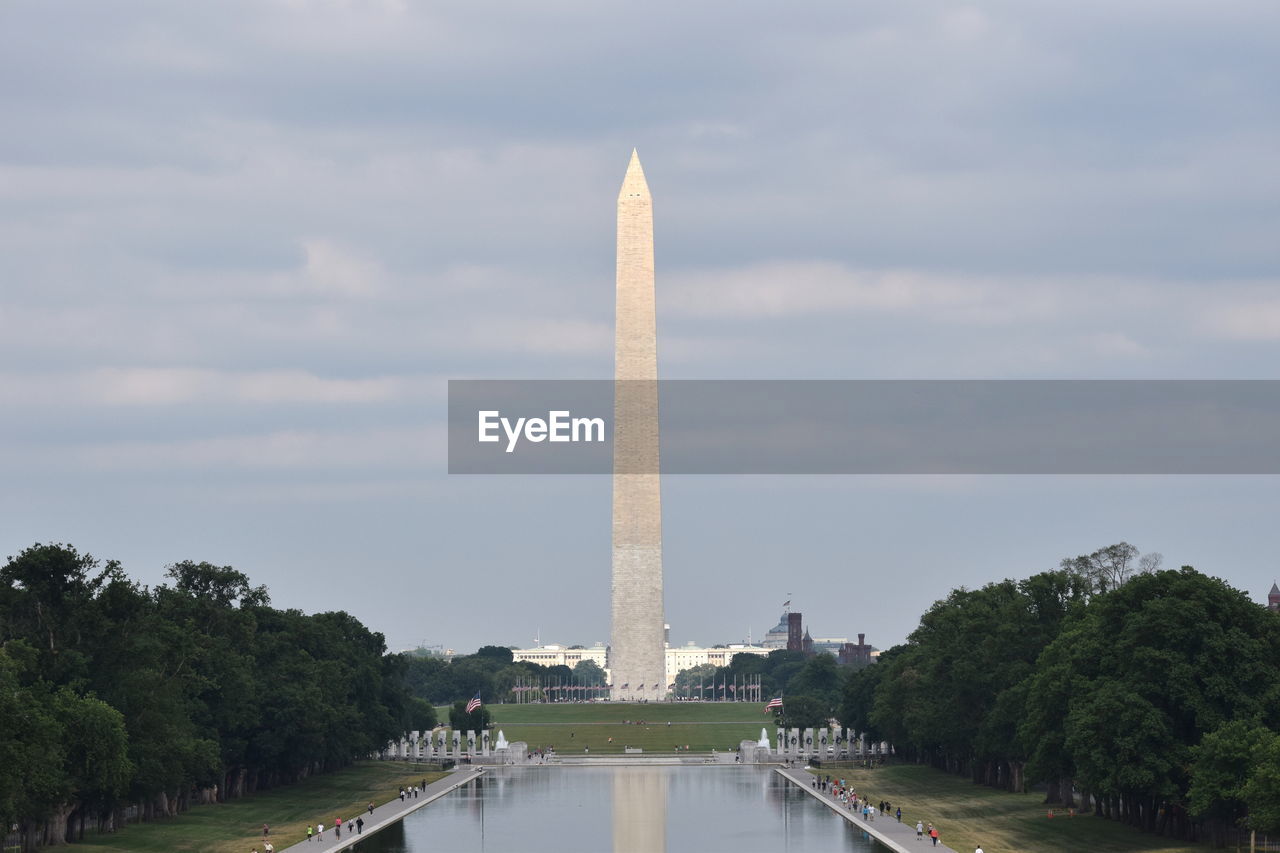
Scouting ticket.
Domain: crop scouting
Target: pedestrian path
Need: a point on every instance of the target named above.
(384, 815)
(885, 829)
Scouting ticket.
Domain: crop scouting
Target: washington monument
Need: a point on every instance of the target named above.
(636, 657)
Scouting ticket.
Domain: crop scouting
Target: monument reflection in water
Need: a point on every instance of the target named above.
(626, 809)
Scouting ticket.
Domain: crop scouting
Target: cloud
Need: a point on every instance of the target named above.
(406, 451)
(245, 242)
(1254, 320)
(808, 288)
(173, 386)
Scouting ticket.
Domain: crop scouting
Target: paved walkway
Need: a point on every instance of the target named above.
(384, 815)
(896, 836)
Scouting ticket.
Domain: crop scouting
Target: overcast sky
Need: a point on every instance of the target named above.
(243, 245)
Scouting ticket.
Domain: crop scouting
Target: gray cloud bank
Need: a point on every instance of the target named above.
(244, 244)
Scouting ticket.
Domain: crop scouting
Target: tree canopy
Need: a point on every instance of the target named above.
(156, 697)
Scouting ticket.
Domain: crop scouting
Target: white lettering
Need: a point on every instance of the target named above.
(587, 425)
(559, 422)
(486, 425)
(559, 426)
(513, 435)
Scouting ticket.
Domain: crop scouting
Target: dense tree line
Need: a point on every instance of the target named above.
(1150, 697)
(113, 695)
(811, 683)
(494, 674)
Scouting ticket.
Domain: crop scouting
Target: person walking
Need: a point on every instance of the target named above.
(337, 825)
(933, 834)
(320, 831)
(359, 826)
(267, 848)
(371, 807)
(919, 831)
(310, 831)
(899, 814)
(265, 830)
(402, 793)
(979, 849)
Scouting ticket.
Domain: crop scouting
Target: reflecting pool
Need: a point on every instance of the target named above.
(625, 809)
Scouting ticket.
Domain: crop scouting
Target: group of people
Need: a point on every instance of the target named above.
(849, 798)
(318, 832)
(409, 793)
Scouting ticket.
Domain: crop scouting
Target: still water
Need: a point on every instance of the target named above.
(624, 809)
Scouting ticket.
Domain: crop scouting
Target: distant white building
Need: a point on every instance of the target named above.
(688, 656)
(556, 655)
(677, 659)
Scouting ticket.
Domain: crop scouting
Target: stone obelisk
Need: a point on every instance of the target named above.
(637, 657)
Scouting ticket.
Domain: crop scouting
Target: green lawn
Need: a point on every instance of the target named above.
(236, 826)
(574, 728)
(968, 815)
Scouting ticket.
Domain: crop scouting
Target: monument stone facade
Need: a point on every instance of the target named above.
(637, 655)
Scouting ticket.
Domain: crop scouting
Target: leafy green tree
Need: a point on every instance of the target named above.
(95, 753)
(780, 666)
(1143, 674)
(501, 654)
(423, 677)
(461, 721)
(858, 698)
(471, 674)
(688, 681)
(589, 673)
(46, 598)
(34, 782)
(1222, 764)
(1261, 792)
(421, 715)
(819, 679)
(801, 712)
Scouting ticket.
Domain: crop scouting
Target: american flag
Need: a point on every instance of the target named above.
(474, 703)
(775, 702)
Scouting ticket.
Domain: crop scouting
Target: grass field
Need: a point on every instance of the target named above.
(236, 826)
(968, 815)
(572, 728)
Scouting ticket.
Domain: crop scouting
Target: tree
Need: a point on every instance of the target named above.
(858, 698)
(1112, 566)
(46, 596)
(1222, 765)
(819, 679)
(589, 673)
(1261, 792)
(501, 654)
(462, 721)
(421, 716)
(801, 712)
(689, 681)
(1144, 673)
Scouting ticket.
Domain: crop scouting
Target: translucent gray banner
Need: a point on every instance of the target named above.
(871, 427)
